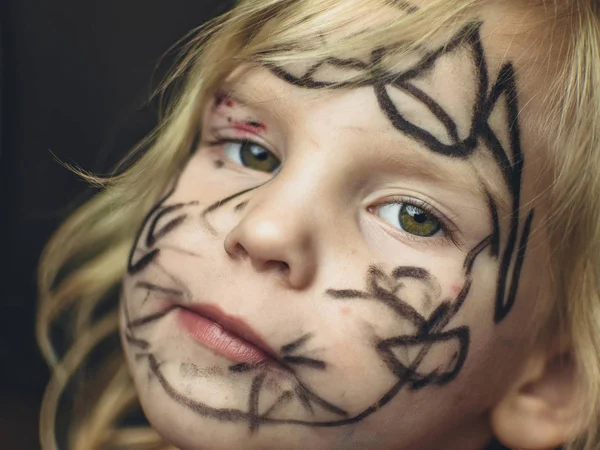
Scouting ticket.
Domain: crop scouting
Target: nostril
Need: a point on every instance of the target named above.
(238, 251)
(277, 266)
(284, 267)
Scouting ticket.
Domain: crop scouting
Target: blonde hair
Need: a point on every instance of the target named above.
(84, 262)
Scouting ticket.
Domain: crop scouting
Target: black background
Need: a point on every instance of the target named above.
(74, 75)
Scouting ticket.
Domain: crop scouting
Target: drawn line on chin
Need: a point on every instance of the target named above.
(254, 416)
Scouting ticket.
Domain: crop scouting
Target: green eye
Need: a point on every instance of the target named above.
(252, 156)
(411, 219)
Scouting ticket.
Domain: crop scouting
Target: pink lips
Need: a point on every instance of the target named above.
(226, 335)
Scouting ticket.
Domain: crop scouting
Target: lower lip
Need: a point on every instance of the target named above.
(210, 335)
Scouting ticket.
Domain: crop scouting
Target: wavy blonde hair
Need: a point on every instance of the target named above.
(84, 262)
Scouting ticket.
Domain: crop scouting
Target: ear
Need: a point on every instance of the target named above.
(542, 410)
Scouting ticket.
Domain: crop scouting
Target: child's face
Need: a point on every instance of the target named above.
(339, 268)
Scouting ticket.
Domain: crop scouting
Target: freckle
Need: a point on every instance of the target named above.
(229, 119)
(218, 163)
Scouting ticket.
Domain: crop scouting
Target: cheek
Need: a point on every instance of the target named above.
(455, 288)
(209, 177)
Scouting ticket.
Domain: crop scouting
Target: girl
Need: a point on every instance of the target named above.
(362, 224)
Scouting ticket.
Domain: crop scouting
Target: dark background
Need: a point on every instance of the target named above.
(74, 76)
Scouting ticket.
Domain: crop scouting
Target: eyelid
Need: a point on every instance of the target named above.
(219, 142)
(219, 138)
(449, 229)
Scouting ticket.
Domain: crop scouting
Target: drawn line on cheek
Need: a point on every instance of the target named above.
(283, 400)
(165, 247)
(346, 293)
(420, 274)
(495, 241)
(155, 288)
(143, 262)
(145, 299)
(140, 343)
(442, 314)
(412, 272)
(295, 345)
(136, 323)
(169, 227)
(176, 281)
(389, 298)
(140, 356)
(304, 361)
(216, 205)
(208, 226)
(304, 400)
(472, 255)
(150, 237)
(254, 416)
(133, 268)
(313, 398)
(503, 308)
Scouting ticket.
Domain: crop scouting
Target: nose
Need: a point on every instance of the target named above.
(276, 235)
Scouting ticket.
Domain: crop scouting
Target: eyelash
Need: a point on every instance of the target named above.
(448, 228)
(220, 140)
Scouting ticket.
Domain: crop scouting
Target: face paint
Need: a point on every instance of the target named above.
(509, 160)
(405, 320)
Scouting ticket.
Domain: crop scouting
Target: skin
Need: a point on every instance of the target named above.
(388, 340)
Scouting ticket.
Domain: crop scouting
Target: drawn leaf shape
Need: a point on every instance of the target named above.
(441, 100)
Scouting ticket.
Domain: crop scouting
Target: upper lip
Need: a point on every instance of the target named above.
(234, 325)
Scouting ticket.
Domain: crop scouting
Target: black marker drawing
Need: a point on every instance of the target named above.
(503, 92)
(415, 373)
(406, 355)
